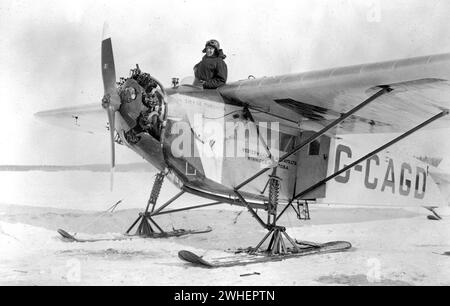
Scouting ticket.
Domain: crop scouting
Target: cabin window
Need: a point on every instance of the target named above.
(314, 148)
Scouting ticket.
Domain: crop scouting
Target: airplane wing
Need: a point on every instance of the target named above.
(314, 99)
(90, 118)
(311, 100)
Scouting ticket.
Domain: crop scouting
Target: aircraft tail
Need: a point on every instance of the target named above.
(442, 180)
(439, 170)
(432, 161)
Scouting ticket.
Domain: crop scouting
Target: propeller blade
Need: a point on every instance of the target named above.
(111, 119)
(111, 100)
(109, 70)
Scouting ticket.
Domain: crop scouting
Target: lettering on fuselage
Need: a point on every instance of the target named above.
(409, 176)
(255, 156)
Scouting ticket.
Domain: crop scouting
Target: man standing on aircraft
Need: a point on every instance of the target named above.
(212, 71)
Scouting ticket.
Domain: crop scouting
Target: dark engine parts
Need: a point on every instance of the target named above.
(143, 106)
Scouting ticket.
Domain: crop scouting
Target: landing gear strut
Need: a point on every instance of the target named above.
(276, 245)
(145, 229)
(147, 223)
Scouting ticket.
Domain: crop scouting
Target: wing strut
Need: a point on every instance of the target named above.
(390, 143)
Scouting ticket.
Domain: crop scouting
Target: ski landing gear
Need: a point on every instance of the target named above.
(243, 259)
(276, 245)
(146, 225)
(144, 228)
(145, 220)
(276, 250)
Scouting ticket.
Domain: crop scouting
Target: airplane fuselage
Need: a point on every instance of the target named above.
(212, 145)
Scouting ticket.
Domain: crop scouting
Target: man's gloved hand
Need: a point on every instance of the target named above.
(199, 83)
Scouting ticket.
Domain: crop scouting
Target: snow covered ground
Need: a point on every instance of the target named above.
(390, 246)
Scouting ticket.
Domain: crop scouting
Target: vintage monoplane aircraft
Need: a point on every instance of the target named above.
(285, 140)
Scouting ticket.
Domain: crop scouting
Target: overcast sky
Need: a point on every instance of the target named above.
(50, 54)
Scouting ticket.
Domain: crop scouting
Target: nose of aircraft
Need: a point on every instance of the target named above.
(140, 119)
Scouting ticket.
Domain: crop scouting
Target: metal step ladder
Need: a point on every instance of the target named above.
(302, 210)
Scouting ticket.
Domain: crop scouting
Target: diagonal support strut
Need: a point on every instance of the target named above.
(390, 143)
(320, 183)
